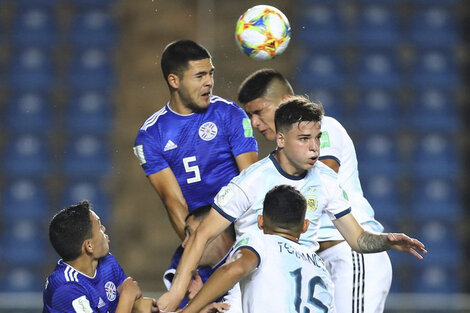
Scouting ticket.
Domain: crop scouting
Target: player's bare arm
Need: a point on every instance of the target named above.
(145, 305)
(129, 291)
(242, 263)
(211, 226)
(366, 242)
(331, 163)
(168, 189)
(244, 160)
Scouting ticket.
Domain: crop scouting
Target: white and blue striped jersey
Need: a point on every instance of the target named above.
(336, 144)
(68, 290)
(290, 278)
(200, 148)
(241, 201)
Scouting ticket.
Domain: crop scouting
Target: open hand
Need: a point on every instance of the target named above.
(402, 242)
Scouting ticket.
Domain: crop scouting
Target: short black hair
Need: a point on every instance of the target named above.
(285, 207)
(296, 109)
(255, 85)
(202, 211)
(177, 54)
(69, 228)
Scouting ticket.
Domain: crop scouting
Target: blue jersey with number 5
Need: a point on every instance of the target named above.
(199, 148)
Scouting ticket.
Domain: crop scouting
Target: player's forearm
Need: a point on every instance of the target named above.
(177, 213)
(126, 302)
(372, 242)
(188, 263)
(219, 283)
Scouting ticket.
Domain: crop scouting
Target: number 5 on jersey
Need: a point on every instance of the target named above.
(192, 169)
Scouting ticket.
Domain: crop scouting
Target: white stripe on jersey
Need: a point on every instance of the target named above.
(217, 98)
(153, 118)
(70, 274)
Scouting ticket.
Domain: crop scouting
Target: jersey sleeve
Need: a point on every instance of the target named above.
(119, 272)
(231, 202)
(252, 242)
(148, 151)
(331, 144)
(338, 201)
(71, 298)
(240, 132)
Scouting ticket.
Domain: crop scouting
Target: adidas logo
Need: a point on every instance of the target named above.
(101, 303)
(170, 145)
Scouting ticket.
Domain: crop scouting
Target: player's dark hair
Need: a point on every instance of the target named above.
(177, 54)
(202, 211)
(69, 228)
(284, 206)
(255, 85)
(294, 110)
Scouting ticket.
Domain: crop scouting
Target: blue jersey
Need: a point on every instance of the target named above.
(68, 290)
(200, 148)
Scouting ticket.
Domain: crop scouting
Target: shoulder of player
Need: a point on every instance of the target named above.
(253, 173)
(227, 105)
(324, 171)
(331, 124)
(153, 119)
(64, 276)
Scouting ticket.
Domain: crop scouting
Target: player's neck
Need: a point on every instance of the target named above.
(284, 234)
(85, 265)
(286, 165)
(177, 106)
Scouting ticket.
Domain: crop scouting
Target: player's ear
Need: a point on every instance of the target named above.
(305, 225)
(88, 246)
(173, 80)
(260, 222)
(280, 139)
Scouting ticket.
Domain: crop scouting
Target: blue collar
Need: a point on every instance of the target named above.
(282, 172)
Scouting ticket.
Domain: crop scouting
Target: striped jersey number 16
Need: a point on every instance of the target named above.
(311, 301)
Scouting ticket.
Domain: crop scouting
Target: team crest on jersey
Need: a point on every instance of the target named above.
(311, 198)
(312, 204)
(208, 131)
(110, 288)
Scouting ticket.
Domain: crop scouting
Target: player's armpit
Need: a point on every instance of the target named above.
(167, 187)
(331, 163)
(244, 160)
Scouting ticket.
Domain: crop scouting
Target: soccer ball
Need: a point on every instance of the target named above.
(262, 32)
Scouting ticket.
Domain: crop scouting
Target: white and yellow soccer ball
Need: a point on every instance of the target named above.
(262, 32)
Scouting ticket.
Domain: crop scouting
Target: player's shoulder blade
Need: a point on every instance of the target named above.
(152, 119)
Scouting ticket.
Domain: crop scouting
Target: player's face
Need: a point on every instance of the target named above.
(99, 239)
(196, 83)
(261, 112)
(208, 257)
(300, 147)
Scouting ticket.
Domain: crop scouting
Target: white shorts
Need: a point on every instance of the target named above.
(361, 281)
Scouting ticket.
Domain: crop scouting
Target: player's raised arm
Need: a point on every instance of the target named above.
(366, 242)
(225, 277)
(244, 160)
(331, 163)
(211, 226)
(168, 189)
